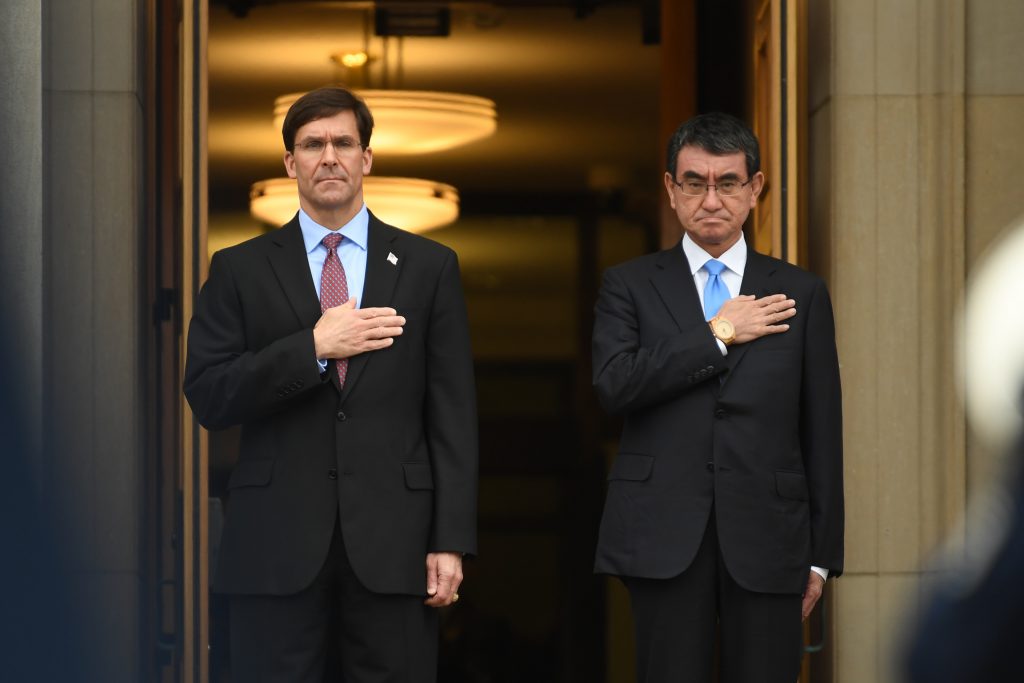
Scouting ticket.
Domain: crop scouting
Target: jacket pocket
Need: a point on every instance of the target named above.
(418, 476)
(792, 485)
(251, 473)
(631, 467)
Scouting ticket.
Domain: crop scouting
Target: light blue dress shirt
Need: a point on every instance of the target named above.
(351, 252)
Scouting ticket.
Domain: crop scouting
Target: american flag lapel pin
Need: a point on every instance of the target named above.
(392, 259)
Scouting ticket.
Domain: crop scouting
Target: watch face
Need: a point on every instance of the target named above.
(724, 330)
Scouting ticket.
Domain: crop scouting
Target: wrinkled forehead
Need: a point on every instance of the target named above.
(698, 161)
(339, 125)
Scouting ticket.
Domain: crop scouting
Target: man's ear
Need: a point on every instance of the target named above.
(289, 164)
(756, 185)
(669, 185)
(367, 160)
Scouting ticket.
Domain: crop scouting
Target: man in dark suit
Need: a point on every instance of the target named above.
(725, 501)
(340, 345)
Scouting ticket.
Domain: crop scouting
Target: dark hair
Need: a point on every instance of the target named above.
(321, 104)
(716, 133)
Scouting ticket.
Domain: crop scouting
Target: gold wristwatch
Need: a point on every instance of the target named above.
(723, 329)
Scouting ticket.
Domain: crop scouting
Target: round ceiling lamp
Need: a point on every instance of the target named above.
(408, 203)
(417, 121)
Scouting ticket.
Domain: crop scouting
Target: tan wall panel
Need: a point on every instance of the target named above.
(995, 33)
(890, 188)
(995, 138)
(853, 40)
(897, 334)
(854, 293)
(896, 48)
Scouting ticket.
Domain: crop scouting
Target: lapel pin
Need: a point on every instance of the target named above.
(392, 259)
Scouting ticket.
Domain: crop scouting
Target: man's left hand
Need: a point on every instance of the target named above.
(444, 576)
(815, 584)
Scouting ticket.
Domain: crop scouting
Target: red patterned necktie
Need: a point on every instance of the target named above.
(334, 290)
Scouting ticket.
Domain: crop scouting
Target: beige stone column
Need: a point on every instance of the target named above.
(994, 132)
(887, 160)
(93, 318)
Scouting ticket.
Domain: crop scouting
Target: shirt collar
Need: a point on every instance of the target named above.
(735, 258)
(355, 230)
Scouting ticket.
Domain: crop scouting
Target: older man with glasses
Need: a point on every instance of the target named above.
(724, 510)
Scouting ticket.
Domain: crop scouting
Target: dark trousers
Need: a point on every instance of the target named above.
(335, 630)
(760, 634)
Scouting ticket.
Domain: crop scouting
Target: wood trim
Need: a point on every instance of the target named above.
(195, 456)
(766, 84)
(796, 131)
(678, 94)
(775, 129)
(779, 95)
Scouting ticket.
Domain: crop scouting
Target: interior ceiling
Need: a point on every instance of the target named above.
(575, 87)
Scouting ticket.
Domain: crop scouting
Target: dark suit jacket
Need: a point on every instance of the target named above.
(394, 453)
(757, 433)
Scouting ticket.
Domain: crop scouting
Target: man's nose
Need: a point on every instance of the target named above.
(711, 199)
(329, 156)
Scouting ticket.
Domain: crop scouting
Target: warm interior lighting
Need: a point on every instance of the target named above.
(408, 203)
(417, 122)
(351, 60)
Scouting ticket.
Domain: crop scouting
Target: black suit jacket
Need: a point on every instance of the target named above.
(757, 433)
(394, 453)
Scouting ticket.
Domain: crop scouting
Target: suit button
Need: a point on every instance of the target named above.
(332, 473)
(342, 416)
(719, 413)
(710, 466)
(710, 368)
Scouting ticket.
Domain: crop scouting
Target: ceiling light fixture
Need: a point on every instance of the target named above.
(417, 121)
(351, 60)
(409, 203)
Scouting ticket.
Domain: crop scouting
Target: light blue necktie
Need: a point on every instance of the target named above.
(715, 291)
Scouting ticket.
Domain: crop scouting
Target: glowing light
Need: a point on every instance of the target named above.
(409, 203)
(352, 60)
(417, 122)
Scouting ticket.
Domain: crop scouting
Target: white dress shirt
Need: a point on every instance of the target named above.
(735, 260)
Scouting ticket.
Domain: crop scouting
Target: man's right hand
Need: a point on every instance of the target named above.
(345, 331)
(753, 318)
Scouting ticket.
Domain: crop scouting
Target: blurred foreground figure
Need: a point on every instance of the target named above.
(970, 626)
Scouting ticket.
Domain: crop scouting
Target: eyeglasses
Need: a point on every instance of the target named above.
(695, 187)
(342, 146)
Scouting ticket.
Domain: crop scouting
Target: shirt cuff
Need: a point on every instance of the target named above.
(722, 347)
(322, 364)
(823, 573)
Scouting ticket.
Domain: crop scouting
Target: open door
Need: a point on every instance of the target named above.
(779, 120)
(194, 541)
(780, 123)
(778, 227)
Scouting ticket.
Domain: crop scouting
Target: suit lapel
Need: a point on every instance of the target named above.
(674, 282)
(756, 280)
(384, 261)
(291, 265)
